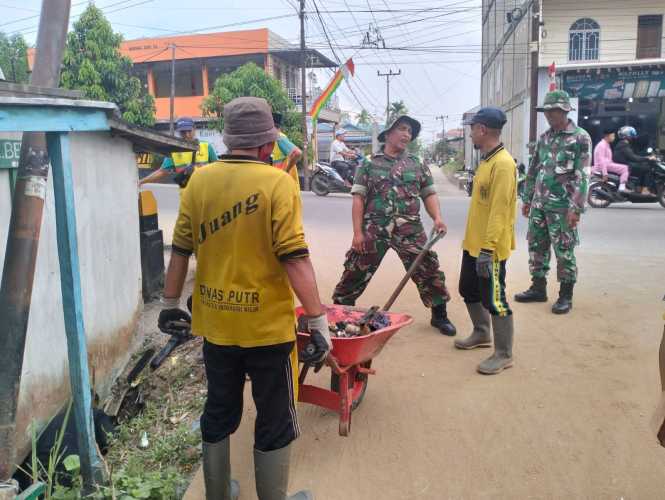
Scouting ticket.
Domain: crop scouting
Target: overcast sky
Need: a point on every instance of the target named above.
(435, 44)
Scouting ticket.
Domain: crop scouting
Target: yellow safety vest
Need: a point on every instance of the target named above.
(184, 158)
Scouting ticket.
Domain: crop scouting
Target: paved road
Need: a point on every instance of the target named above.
(630, 230)
(570, 420)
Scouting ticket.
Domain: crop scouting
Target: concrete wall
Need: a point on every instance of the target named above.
(618, 27)
(105, 177)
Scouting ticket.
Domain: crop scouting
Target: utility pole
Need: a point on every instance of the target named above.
(534, 49)
(172, 97)
(443, 119)
(388, 76)
(303, 95)
(24, 228)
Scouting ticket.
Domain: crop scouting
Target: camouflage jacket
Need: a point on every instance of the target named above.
(557, 177)
(392, 187)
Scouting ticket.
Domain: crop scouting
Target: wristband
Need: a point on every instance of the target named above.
(170, 302)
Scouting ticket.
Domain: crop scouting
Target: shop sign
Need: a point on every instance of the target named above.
(619, 83)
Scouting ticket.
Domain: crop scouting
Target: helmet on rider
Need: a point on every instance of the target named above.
(627, 132)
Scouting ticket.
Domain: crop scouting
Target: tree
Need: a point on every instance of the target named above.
(93, 64)
(364, 119)
(395, 110)
(14, 58)
(250, 80)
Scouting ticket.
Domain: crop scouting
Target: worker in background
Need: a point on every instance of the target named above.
(243, 221)
(285, 154)
(639, 166)
(488, 242)
(181, 164)
(386, 214)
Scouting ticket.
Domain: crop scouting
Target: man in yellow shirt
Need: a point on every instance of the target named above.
(488, 242)
(251, 253)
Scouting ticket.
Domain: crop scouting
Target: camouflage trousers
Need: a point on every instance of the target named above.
(548, 229)
(407, 238)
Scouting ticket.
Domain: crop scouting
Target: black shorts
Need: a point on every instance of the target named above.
(273, 377)
(490, 291)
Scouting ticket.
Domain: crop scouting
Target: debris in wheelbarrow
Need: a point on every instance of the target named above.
(371, 321)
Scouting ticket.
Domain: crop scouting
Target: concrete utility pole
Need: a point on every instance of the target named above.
(172, 97)
(24, 229)
(443, 119)
(534, 49)
(388, 76)
(303, 96)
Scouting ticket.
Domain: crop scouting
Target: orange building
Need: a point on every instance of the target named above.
(200, 59)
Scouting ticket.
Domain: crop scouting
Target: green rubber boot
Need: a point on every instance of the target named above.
(217, 472)
(503, 347)
(271, 470)
(481, 336)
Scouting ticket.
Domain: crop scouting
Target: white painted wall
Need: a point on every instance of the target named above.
(618, 27)
(105, 179)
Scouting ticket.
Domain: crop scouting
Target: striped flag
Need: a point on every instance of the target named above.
(343, 73)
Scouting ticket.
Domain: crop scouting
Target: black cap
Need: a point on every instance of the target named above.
(609, 130)
(490, 117)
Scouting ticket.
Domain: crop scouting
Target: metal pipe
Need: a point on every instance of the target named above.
(24, 228)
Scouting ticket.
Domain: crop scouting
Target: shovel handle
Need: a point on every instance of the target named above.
(431, 241)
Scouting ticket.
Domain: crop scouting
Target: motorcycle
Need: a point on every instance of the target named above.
(326, 180)
(603, 193)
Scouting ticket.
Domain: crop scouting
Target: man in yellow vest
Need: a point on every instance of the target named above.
(285, 154)
(489, 239)
(182, 164)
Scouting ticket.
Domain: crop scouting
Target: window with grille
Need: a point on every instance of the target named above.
(584, 40)
(649, 37)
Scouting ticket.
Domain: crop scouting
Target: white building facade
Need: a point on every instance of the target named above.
(610, 56)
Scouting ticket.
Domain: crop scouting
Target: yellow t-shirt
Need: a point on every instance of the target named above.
(241, 218)
(491, 221)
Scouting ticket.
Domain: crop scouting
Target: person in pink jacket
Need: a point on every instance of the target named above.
(603, 161)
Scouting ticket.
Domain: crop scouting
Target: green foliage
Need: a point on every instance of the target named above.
(14, 58)
(250, 80)
(396, 109)
(93, 64)
(364, 119)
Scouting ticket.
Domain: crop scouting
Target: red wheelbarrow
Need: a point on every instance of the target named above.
(350, 363)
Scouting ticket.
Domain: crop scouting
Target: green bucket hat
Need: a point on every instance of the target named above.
(558, 99)
(415, 127)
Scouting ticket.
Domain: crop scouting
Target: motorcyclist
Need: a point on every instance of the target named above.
(604, 161)
(639, 165)
(339, 154)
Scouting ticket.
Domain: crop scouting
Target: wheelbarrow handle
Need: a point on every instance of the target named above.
(431, 241)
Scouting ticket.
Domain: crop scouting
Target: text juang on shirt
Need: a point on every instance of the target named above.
(247, 208)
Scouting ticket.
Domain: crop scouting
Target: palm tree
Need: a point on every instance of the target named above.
(364, 118)
(396, 109)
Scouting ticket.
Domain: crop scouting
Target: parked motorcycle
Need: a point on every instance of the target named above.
(602, 194)
(326, 180)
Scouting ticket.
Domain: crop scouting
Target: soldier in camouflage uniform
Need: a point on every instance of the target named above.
(554, 196)
(386, 214)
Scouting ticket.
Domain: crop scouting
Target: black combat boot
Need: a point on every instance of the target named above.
(440, 320)
(565, 302)
(536, 293)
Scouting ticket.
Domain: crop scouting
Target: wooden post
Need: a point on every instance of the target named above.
(72, 301)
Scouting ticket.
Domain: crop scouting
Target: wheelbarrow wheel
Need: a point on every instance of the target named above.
(357, 385)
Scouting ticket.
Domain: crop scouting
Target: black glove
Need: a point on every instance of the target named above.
(316, 351)
(170, 315)
(484, 264)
